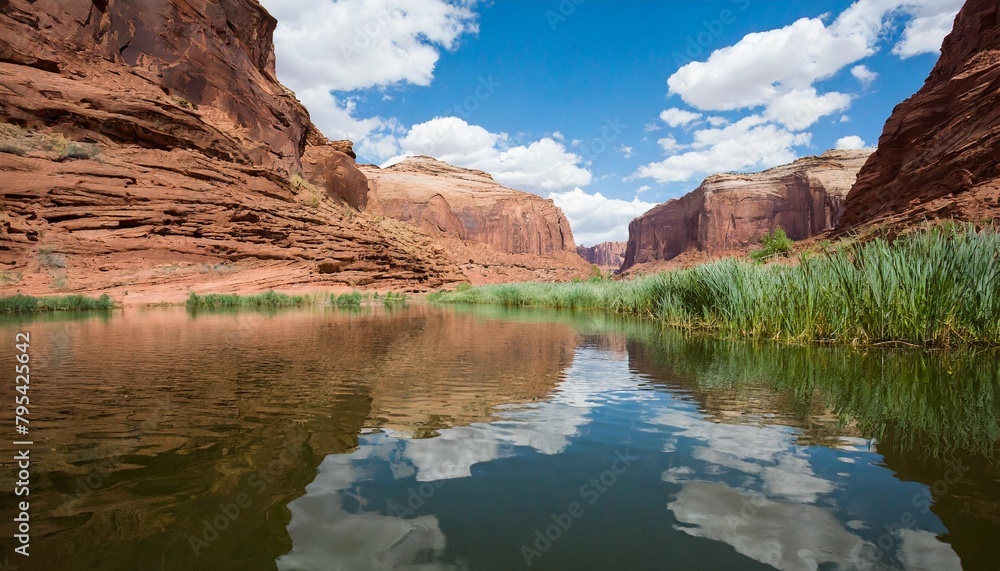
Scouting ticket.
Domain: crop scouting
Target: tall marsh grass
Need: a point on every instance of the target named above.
(272, 299)
(27, 304)
(937, 288)
(266, 299)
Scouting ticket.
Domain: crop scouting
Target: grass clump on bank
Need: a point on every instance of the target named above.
(272, 299)
(266, 299)
(392, 298)
(352, 299)
(27, 304)
(773, 245)
(938, 287)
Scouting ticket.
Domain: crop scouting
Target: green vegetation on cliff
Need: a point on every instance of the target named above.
(938, 287)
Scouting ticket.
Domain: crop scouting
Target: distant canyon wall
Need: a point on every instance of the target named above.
(607, 255)
(493, 232)
(468, 204)
(732, 211)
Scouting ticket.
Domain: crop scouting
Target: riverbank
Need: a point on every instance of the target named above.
(21, 303)
(275, 299)
(938, 287)
(30, 304)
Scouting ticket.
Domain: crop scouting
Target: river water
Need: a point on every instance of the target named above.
(422, 437)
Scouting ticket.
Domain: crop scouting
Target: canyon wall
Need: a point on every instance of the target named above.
(607, 255)
(939, 153)
(494, 233)
(194, 53)
(730, 212)
(146, 146)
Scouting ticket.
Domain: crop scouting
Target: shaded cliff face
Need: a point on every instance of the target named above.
(144, 142)
(609, 255)
(939, 153)
(197, 53)
(731, 212)
(495, 233)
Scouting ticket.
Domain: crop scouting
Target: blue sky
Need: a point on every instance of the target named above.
(607, 106)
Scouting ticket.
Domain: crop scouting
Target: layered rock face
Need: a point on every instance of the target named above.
(607, 255)
(494, 233)
(730, 212)
(939, 153)
(196, 53)
(148, 146)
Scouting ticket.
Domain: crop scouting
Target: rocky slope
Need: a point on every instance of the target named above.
(939, 153)
(730, 212)
(148, 146)
(493, 232)
(607, 255)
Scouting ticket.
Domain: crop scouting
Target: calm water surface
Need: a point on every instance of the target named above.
(478, 438)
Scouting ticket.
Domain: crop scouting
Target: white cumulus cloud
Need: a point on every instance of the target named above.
(850, 142)
(925, 32)
(669, 144)
(346, 45)
(800, 108)
(325, 46)
(750, 143)
(864, 75)
(596, 218)
(765, 68)
(541, 166)
(773, 76)
(677, 117)
(765, 65)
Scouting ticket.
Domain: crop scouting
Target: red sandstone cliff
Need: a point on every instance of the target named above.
(608, 255)
(493, 232)
(939, 153)
(147, 146)
(732, 211)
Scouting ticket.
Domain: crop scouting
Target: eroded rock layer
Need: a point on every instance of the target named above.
(730, 212)
(607, 255)
(939, 153)
(493, 232)
(147, 147)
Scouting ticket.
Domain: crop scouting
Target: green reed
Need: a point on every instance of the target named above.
(935, 288)
(27, 304)
(266, 299)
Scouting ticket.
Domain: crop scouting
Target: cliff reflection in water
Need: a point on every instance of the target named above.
(152, 420)
(444, 438)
